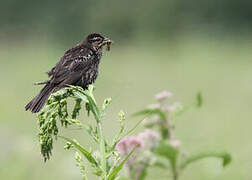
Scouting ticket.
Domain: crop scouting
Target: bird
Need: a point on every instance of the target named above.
(78, 66)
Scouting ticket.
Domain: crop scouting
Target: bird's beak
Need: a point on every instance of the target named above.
(107, 40)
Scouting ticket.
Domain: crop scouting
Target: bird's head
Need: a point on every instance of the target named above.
(96, 41)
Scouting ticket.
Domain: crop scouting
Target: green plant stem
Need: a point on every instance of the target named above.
(98, 116)
(102, 150)
(171, 137)
(175, 175)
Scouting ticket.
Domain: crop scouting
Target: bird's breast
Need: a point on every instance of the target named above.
(90, 72)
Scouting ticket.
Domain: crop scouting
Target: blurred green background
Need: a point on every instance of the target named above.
(181, 46)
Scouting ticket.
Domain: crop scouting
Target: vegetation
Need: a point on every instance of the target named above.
(138, 153)
(221, 124)
(66, 21)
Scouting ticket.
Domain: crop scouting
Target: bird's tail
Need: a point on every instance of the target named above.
(39, 101)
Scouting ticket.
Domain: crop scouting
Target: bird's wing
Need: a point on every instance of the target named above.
(70, 64)
(81, 62)
(68, 56)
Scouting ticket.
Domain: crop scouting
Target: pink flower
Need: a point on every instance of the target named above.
(163, 95)
(175, 143)
(175, 106)
(125, 145)
(150, 138)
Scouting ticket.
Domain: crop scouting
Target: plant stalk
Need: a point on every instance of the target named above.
(102, 150)
(175, 175)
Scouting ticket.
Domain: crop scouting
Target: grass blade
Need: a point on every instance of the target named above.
(87, 154)
(114, 173)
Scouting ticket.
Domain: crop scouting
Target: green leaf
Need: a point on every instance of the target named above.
(150, 112)
(80, 96)
(198, 104)
(87, 154)
(226, 157)
(199, 99)
(160, 164)
(169, 152)
(134, 127)
(114, 173)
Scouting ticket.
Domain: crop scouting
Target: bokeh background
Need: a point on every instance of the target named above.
(176, 45)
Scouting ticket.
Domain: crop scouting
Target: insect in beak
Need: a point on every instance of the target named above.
(108, 42)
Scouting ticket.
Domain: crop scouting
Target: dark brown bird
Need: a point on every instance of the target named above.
(78, 66)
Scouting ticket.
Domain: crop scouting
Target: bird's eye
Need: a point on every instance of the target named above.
(96, 39)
